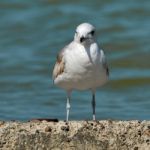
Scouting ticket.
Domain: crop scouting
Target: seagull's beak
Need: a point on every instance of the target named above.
(82, 39)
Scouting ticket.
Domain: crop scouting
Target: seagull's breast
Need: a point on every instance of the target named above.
(83, 67)
(81, 60)
(77, 61)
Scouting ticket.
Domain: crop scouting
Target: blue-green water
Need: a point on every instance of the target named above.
(32, 33)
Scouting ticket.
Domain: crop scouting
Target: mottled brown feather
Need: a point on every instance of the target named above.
(59, 65)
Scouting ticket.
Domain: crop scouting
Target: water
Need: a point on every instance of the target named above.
(32, 33)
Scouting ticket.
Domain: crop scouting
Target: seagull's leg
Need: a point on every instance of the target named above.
(93, 104)
(68, 105)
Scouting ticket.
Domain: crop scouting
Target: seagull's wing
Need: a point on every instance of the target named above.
(104, 62)
(59, 65)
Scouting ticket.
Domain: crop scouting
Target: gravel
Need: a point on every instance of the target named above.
(75, 135)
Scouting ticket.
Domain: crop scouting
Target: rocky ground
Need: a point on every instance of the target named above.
(75, 135)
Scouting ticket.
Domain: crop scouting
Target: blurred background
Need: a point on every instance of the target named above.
(31, 34)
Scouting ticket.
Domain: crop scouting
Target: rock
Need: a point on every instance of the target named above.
(48, 129)
(88, 135)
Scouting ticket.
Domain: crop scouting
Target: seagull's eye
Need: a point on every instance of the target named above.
(92, 32)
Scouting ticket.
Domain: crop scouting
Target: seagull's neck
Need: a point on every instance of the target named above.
(86, 44)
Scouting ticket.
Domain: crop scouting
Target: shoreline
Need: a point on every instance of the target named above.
(80, 135)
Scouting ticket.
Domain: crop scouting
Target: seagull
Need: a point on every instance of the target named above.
(81, 65)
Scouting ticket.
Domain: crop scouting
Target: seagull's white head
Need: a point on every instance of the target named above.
(85, 33)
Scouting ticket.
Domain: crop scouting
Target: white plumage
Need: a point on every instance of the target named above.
(81, 65)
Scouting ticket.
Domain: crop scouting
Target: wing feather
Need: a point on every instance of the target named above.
(59, 65)
(104, 62)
